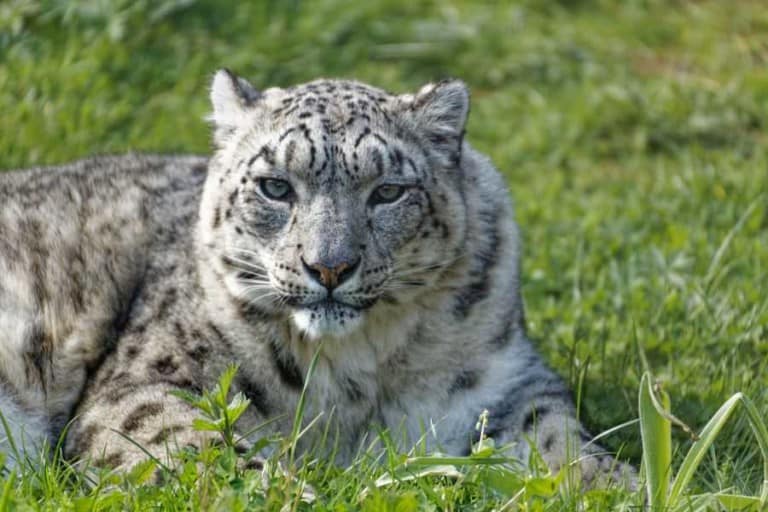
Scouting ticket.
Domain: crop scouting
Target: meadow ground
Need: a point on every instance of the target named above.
(633, 137)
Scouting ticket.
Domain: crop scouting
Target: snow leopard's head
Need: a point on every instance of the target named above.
(330, 198)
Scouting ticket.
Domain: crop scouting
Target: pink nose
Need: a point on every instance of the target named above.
(331, 277)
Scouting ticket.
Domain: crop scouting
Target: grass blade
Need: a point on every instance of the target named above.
(757, 422)
(457, 461)
(718, 256)
(717, 501)
(144, 450)
(738, 502)
(656, 437)
(10, 439)
(7, 490)
(299, 415)
(698, 449)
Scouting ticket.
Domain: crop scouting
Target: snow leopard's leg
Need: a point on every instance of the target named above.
(23, 433)
(536, 406)
(130, 408)
(119, 431)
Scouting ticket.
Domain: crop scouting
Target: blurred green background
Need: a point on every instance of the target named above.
(632, 134)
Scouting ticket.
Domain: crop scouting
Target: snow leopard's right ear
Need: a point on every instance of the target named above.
(232, 98)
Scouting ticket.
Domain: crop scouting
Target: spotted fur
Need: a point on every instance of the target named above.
(332, 217)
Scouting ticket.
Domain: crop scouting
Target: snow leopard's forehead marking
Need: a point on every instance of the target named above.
(345, 100)
(334, 132)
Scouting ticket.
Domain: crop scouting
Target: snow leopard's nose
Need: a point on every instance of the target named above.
(331, 275)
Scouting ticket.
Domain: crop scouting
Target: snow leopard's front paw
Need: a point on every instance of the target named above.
(600, 469)
(564, 444)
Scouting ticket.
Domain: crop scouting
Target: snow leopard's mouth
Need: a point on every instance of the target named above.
(327, 317)
(329, 303)
(361, 305)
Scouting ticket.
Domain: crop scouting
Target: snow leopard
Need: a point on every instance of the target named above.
(333, 221)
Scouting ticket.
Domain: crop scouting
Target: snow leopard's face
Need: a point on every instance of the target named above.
(327, 199)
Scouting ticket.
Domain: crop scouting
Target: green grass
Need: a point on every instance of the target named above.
(633, 137)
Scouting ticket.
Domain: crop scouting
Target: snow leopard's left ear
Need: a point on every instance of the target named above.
(439, 111)
(232, 98)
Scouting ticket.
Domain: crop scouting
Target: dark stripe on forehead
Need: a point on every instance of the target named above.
(327, 155)
(290, 150)
(286, 133)
(291, 110)
(340, 153)
(396, 160)
(312, 149)
(322, 167)
(412, 165)
(378, 161)
(266, 153)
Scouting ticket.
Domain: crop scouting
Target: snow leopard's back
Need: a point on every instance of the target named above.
(75, 241)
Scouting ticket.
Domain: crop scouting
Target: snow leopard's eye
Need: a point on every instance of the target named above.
(275, 189)
(386, 194)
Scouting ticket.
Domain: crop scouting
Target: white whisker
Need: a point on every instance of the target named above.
(245, 251)
(247, 265)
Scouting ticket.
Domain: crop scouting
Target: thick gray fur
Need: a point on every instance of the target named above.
(125, 278)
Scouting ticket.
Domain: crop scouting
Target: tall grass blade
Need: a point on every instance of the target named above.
(144, 450)
(717, 501)
(698, 449)
(737, 502)
(5, 499)
(718, 256)
(10, 439)
(299, 416)
(656, 437)
(757, 422)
